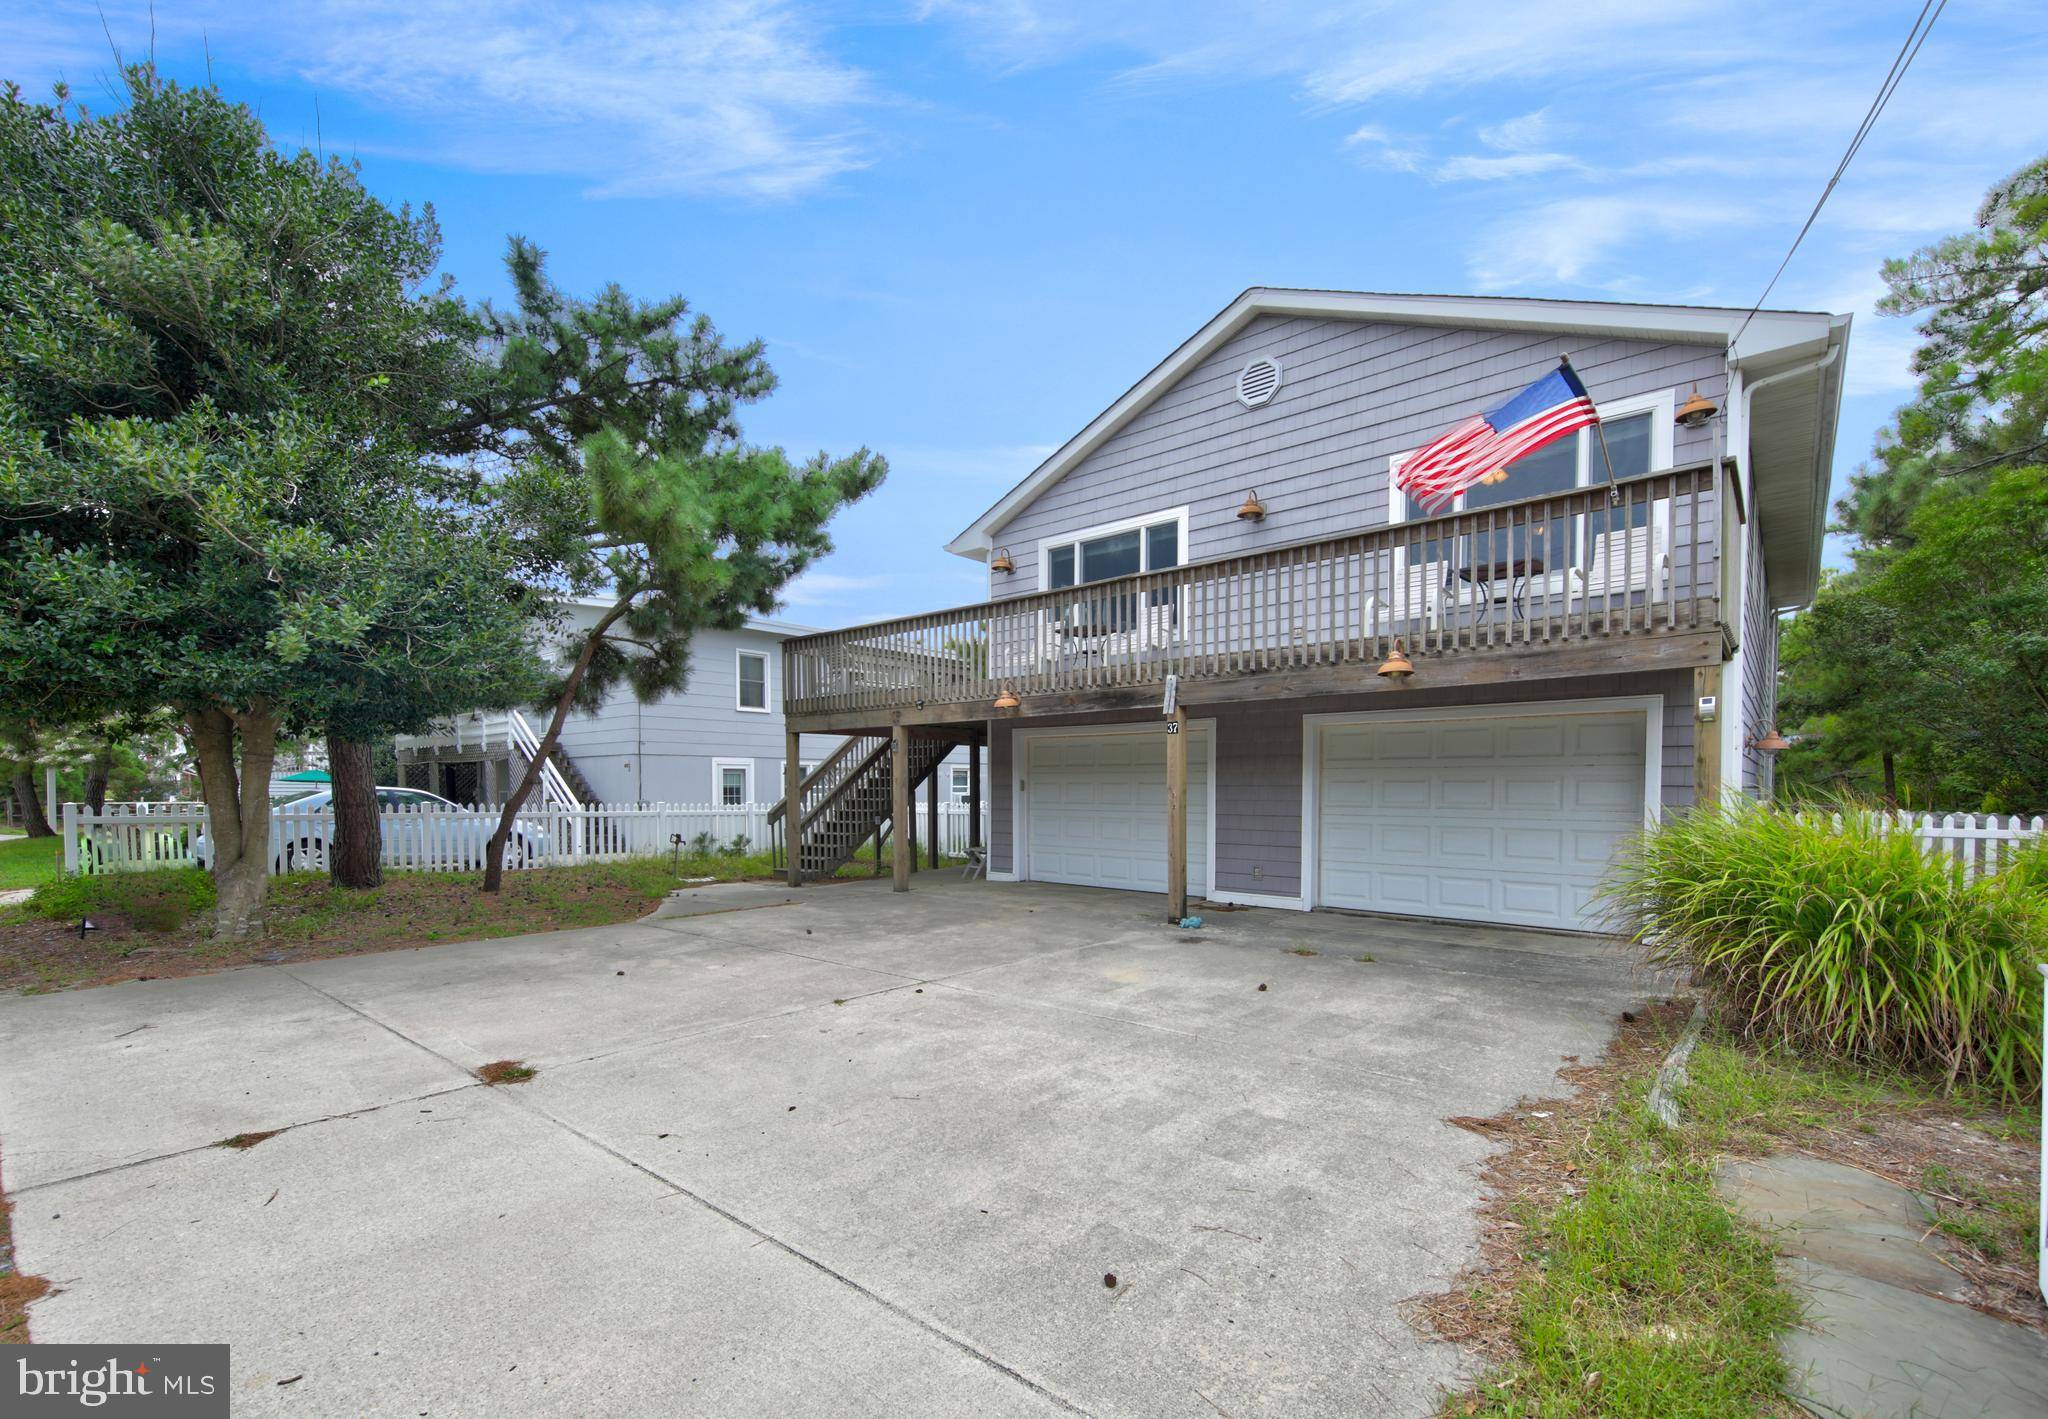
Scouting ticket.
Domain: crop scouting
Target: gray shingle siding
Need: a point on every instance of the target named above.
(1354, 393)
(1259, 764)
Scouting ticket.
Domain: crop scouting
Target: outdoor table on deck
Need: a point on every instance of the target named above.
(1515, 573)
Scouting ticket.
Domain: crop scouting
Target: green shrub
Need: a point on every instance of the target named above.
(1830, 934)
(156, 901)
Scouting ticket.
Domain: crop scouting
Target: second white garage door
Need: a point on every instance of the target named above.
(1509, 819)
(1095, 809)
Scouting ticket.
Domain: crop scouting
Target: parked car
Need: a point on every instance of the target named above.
(301, 846)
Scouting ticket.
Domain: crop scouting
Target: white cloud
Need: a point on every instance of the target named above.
(1520, 135)
(633, 97)
(1373, 146)
(1569, 241)
(1470, 167)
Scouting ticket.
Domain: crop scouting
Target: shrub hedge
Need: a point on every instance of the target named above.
(1828, 933)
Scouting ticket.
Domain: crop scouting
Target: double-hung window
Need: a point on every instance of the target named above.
(732, 780)
(1145, 544)
(753, 681)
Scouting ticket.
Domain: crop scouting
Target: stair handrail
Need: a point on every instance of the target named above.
(823, 784)
(553, 784)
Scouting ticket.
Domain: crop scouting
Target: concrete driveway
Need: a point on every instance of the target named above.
(854, 1153)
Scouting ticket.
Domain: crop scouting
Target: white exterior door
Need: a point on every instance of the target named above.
(1507, 819)
(1095, 809)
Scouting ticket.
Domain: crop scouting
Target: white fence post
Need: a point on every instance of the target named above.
(70, 816)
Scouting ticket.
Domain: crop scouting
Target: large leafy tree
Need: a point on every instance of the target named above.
(632, 485)
(1918, 673)
(218, 365)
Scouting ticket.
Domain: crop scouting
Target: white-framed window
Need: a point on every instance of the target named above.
(751, 676)
(1638, 434)
(960, 783)
(1638, 431)
(732, 782)
(803, 769)
(1151, 543)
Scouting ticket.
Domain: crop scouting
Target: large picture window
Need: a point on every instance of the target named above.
(1153, 543)
(1638, 435)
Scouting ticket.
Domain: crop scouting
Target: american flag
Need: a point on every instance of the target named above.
(1546, 411)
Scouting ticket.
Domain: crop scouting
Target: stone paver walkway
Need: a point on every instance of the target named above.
(1886, 1332)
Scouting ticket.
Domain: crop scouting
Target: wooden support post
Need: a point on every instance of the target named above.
(1706, 738)
(792, 806)
(974, 792)
(1177, 814)
(899, 804)
(931, 819)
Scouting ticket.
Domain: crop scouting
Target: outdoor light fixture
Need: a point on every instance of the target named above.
(1696, 410)
(1397, 667)
(1001, 562)
(1495, 478)
(1007, 699)
(1770, 743)
(1253, 510)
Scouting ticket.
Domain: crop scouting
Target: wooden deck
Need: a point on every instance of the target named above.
(1577, 583)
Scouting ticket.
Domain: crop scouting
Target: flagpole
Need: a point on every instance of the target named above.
(1613, 490)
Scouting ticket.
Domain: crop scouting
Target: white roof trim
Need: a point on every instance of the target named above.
(1773, 336)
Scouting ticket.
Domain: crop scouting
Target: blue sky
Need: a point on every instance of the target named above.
(965, 228)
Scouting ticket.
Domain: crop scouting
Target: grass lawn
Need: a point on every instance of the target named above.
(153, 924)
(1614, 1280)
(29, 862)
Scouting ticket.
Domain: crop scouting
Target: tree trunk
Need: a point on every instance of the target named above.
(97, 772)
(494, 852)
(31, 801)
(237, 811)
(1891, 781)
(355, 851)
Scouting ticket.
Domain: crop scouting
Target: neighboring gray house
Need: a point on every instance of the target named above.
(1577, 659)
(720, 741)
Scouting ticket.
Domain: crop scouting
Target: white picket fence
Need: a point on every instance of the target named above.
(1979, 843)
(125, 837)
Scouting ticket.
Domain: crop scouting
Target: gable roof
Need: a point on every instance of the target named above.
(1801, 414)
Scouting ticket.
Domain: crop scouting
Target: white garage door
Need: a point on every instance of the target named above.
(1509, 819)
(1095, 810)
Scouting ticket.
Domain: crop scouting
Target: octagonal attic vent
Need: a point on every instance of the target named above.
(1257, 382)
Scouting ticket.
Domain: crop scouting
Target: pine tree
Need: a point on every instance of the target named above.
(632, 485)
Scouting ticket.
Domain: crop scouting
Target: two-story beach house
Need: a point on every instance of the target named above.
(1225, 656)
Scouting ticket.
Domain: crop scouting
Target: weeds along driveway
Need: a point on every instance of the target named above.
(855, 1153)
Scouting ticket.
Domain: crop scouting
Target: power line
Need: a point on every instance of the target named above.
(1923, 25)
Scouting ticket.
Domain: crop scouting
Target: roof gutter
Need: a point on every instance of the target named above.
(1822, 479)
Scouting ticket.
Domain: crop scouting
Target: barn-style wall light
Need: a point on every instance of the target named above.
(1253, 510)
(1001, 562)
(1770, 743)
(1007, 700)
(1397, 667)
(1696, 410)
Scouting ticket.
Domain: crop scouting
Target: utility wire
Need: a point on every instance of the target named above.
(1923, 25)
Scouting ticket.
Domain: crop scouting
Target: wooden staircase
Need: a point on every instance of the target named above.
(846, 800)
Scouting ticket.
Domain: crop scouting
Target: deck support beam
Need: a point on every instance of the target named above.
(1706, 738)
(1177, 815)
(974, 744)
(900, 808)
(792, 808)
(931, 818)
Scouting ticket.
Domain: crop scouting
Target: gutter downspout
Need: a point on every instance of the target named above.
(1733, 745)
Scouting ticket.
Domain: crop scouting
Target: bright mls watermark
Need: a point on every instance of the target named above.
(160, 1381)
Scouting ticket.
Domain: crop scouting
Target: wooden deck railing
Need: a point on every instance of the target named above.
(1548, 570)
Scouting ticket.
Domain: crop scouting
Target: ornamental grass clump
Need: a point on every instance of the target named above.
(1833, 933)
